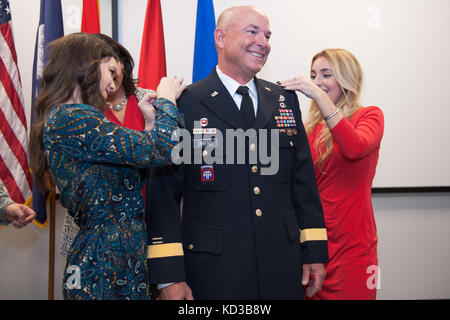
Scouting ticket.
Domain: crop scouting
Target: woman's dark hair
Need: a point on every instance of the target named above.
(128, 83)
(74, 61)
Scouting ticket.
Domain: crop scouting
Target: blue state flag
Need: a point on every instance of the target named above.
(50, 28)
(205, 54)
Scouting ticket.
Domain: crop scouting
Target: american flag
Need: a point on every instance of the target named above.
(14, 171)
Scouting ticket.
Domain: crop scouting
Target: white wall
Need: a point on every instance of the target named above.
(413, 232)
(413, 229)
(24, 261)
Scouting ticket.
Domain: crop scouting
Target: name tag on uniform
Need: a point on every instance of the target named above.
(205, 142)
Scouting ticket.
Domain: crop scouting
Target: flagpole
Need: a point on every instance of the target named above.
(51, 247)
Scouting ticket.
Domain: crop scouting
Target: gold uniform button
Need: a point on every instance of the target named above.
(191, 246)
(291, 143)
(255, 169)
(252, 147)
(258, 212)
(256, 190)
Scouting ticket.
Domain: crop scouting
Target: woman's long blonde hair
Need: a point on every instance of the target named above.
(348, 74)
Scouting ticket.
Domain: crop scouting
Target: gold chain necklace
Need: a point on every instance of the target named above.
(117, 107)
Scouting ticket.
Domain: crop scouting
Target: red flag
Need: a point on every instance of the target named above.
(152, 63)
(14, 171)
(90, 21)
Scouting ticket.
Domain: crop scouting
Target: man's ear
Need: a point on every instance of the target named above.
(219, 37)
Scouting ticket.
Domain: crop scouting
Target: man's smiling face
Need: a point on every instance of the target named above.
(246, 44)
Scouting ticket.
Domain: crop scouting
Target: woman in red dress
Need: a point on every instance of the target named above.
(123, 104)
(344, 138)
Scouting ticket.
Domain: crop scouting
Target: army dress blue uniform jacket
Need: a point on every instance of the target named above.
(241, 235)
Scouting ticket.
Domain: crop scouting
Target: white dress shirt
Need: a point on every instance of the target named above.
(232, 85)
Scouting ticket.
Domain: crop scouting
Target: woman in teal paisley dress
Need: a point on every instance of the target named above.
(96, 165)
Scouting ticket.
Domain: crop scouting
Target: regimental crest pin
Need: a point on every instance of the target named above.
(215, 93)
(268, 89)
(282, 98)
(204, 122)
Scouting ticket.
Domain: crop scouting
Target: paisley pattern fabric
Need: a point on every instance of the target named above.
(133, 120)
(96, 166)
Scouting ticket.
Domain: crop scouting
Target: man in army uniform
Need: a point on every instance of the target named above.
(242, 233)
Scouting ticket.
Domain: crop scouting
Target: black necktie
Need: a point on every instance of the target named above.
(247, 110)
